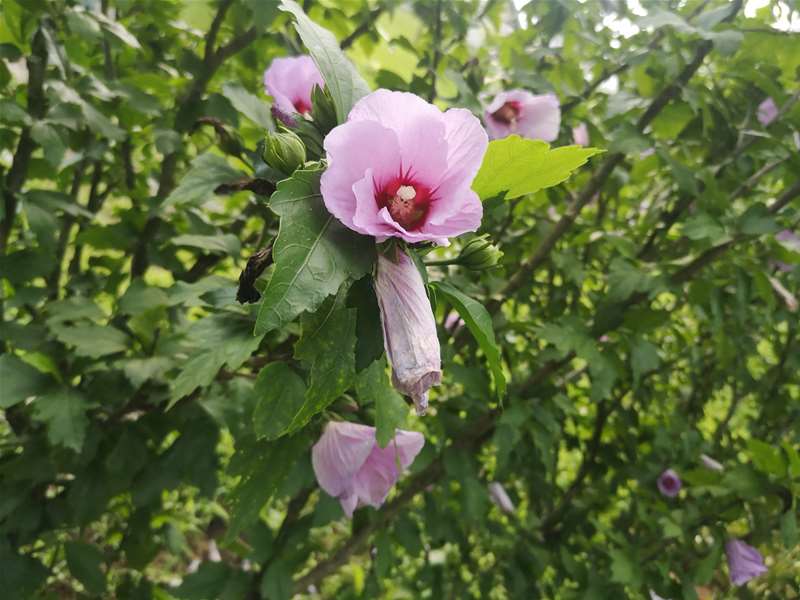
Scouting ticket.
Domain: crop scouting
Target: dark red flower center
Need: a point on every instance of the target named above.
(301, 107)
(408, 202)
(508, 113)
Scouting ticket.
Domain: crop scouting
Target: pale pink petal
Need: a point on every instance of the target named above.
(384, 465)
(459, 212)
(540, 118)
(369, 218)
(290, 81)
(580, 134)
(466, 146)
(339, 454)
(352, 149)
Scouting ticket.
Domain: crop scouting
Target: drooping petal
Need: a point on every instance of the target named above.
(383, 467)
(409, 329)
(744, 562)
(339, 454)
(711, 464)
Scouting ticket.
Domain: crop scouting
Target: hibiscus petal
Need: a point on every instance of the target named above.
(339, 454)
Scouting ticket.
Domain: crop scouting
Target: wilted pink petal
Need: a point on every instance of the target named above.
(767, 112)
(525, 114)
(744, 562)
(580, 134)
(788, 298)
(669, 483)
(350, 465)
(290, 82)
(400, 167)
(710, 463)
(409, 329)
(499, 496)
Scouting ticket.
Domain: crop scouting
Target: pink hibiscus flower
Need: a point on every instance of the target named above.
(290, 82)
(400, 167)
(523, 113)
(350, 465)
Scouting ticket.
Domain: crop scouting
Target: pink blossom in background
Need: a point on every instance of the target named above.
(767, 112)
(453, 322)
(669, 484)
(409, 329)
(499, 496)
(290, 82)
(744, 562)
(710, 463)
(580, 134)
(349, 464)
(788, 298)
(789, 239)
(528, 115)
(400, 167)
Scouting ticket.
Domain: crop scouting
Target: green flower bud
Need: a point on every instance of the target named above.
(284, 151)
(323, 111)
(479, 253)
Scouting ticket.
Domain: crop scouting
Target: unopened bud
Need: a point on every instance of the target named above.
(323, 111)
(284, 151)
(480, 253)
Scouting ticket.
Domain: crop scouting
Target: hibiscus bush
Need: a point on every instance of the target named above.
(399, 299)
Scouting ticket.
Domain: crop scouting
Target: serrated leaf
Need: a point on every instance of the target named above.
(84, 562)
(280, 393)
(391, 411)
(64, 412)
(208, 171)
(263, 466)
(344, 83)
(19, 381)
(314, 253)
(249, 105)
(328, 346)
(198, 371)
(479, 324)
(519, 166)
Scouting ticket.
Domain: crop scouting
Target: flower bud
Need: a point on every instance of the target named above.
(284, 151)
(323, 111)
(479, 254)
(409, 329)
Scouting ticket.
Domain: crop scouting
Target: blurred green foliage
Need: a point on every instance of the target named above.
(635, 312)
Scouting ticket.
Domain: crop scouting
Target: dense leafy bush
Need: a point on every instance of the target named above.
(157, 433)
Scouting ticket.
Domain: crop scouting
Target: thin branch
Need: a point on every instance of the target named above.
(365, 26)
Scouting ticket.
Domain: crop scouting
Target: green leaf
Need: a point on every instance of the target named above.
(624, 279)
(344, 83)
(625, 569)
(249, 105)
(84, 562)
(207, 583)
(766, 458)
(757, 220)
(703, 226)
(139, 298)
(219, 244)
(705, 568)
(96, 120)
(391, 411)
(519, 166)
(116, 29)
(208, 171)
(280, 393)
(64, 412)
(13, 113)
(49, 139)
(314, 253)
(479, 324)
(19, 381)
(22, 574)
(199, 371)
(328, 345)
(276, 583)
(789, 533)
(644, 358)
(369, 332)
(263, 467)
(92, 340)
